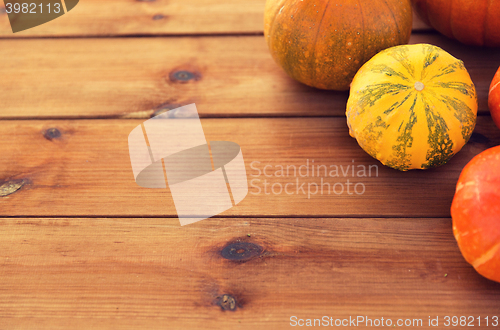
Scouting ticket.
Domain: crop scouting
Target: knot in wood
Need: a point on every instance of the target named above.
(241, 251)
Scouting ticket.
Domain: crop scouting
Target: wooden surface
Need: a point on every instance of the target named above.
(142, 273)
(146, 17)
(82, 246)
(131, 78)
(86, 171)
(154, 17)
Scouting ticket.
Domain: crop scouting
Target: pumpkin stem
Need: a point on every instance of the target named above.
(419, 86)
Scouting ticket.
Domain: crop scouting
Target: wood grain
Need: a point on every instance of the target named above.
(83, 246)
(87, 172)
(159, 17)
(132, 78)
(151, 273)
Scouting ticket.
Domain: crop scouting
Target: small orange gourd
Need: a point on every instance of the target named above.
(322, 43)
(472, 22)
(494, 98)
(476, 213)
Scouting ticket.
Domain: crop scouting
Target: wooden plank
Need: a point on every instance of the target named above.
(159, 17)
(151, 273)
(86, 171)
(132, 78)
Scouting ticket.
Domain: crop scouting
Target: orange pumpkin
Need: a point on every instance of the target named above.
(323, 43)
(476, 213)
(472, 22)
(494, 98)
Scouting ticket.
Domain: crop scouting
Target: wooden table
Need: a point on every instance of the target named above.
(82, 246)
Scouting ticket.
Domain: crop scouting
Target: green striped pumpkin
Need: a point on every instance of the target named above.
(412, 107)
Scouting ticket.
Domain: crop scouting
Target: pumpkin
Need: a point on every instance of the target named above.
(473, 22)
(476, 213)
(412, 107)
(322, 43)
(494, 98)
